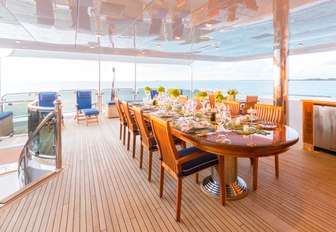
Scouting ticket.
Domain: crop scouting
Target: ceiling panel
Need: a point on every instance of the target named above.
(218, 30)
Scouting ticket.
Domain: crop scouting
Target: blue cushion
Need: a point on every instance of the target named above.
(198, 164)
(111, 103)
(84, 94)
(135, 100)
(90, 111)
(154, 147)
(153, 93)
(84, 100)
(46, 99)
(4, 115)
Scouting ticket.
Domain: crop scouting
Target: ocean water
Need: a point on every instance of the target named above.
(262, 88)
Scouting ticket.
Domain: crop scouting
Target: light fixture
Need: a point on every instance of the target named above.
(98, 35)
(300, 44)
(5, 52)
(208, 24)
(18, 41)
(216, 47)
(158, 45)
(177, 37)
(92, 46)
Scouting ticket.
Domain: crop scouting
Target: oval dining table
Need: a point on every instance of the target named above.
(277, 141)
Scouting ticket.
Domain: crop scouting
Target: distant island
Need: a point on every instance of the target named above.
(314, 79)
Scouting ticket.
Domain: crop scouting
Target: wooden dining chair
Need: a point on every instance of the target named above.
(212, 100)
(146, 139)
(182, 99)
(122, 120)
(250, 102)
(178, 163)
(234, 107)
(273, 114)
(131, 125)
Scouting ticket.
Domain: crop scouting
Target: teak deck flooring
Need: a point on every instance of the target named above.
(102, 189)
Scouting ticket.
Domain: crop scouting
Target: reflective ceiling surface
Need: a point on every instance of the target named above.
(215, 30)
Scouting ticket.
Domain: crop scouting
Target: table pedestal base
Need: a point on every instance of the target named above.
(235, 186)
(234, 191)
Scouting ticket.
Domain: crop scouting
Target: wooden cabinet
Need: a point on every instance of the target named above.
(308, 121)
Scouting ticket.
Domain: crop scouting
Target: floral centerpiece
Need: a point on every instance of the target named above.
(147, 89)
(161, 90)
(174, 93)
(219, 96)
(232, 93)
(202, 94)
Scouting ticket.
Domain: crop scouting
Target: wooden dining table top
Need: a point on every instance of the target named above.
(277, 140)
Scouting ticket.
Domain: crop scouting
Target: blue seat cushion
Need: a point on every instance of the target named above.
(88, 112)
(111, 103)
(4, 115)
(84, 100)
(198, 164)
(46, 99)
(135, 100)
(154, 147)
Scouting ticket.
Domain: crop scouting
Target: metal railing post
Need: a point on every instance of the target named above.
(25, 171)
(58, 104)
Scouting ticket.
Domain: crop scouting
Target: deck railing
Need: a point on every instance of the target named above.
(42, 153)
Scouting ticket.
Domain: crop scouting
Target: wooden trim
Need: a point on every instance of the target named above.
(29, 187)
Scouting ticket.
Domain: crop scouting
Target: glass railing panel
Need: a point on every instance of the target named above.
(121, 93)
(17, 103)
(141, 94)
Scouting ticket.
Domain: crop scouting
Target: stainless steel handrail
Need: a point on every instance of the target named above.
(56, 111)
(31, 137)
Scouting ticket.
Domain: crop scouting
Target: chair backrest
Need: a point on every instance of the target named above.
(234, 107)
(153, 92)
(144, 133)
(120, 111)
(46, 99)
(130, 123)
(165, 142)
(182, 99)
(250, 101)
(212, 100)
(83, 99)
(269, 112)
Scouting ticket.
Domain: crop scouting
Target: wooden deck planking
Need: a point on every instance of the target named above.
(103, 189)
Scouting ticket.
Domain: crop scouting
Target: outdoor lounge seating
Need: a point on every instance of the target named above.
(46, 99)
(84, 110)
(6, 123)
(178, 163)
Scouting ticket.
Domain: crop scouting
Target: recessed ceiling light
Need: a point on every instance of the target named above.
(177, 37)
(18, 41)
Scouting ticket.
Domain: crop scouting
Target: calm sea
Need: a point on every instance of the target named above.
(262, 88)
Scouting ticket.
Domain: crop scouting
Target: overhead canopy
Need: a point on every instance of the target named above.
(214, 30)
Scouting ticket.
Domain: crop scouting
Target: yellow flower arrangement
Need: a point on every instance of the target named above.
(174, 92)
(232, 92)
(201, 94)
(147, 89)
(161, 89)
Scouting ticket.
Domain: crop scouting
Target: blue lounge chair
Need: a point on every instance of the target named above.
(84, 107)
(46, 99)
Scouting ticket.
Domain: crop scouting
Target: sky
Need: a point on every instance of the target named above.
(16, 69)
